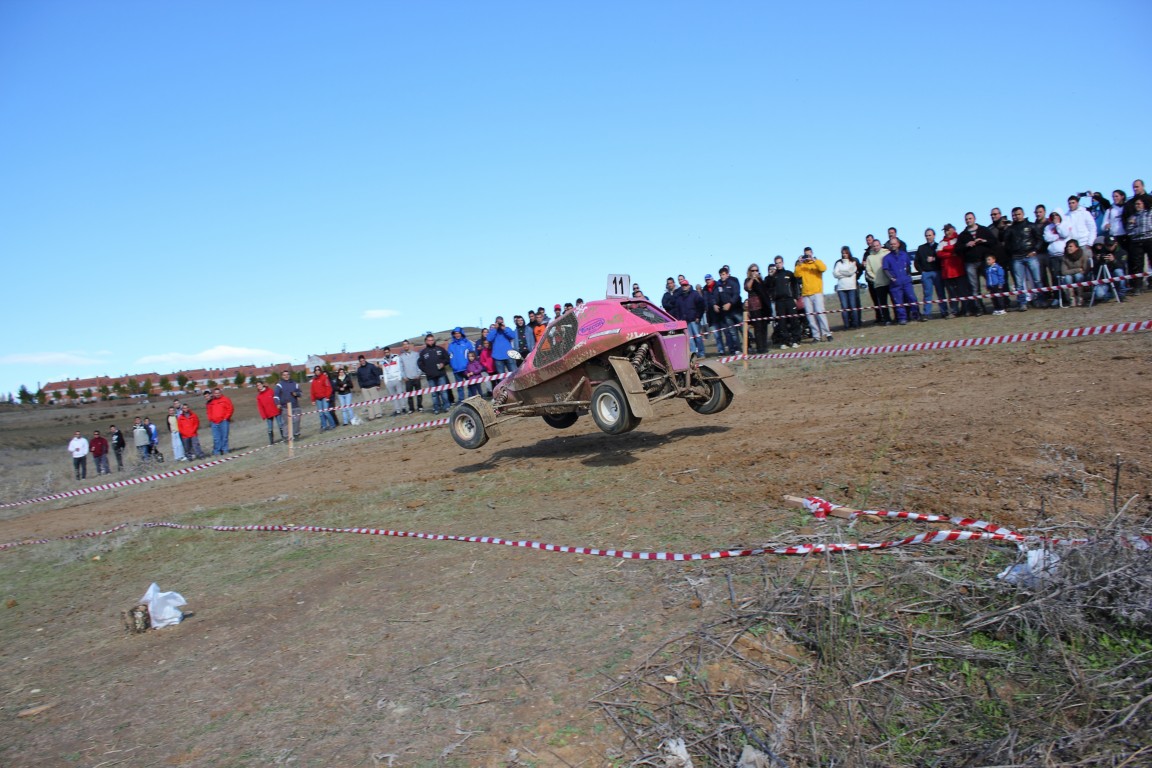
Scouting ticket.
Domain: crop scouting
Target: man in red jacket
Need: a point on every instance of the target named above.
(189, 425)
(321, 397)
(98, 447)
(219, 410)
(268, 409)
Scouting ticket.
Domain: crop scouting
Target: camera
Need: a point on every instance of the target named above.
(1083, 194)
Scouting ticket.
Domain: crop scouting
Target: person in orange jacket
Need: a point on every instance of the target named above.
(219, 409)
(268, 409)
(321, 397)
(189, 425)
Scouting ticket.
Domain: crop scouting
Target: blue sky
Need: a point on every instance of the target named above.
(190, 184)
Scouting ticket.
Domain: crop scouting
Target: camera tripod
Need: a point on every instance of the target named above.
(1104, 273)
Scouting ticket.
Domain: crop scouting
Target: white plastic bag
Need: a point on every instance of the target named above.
(1038, 568)
(163, 607)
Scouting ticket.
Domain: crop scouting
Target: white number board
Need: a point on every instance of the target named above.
(619, 287)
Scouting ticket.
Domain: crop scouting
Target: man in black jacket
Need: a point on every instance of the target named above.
(432, 361)
(1021, 246)
(931, 281)
(974, 244)
(784, 288)
(368, 377)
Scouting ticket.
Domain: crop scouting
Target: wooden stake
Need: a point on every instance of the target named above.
(291, 433)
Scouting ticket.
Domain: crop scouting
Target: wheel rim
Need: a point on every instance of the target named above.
(608, 409)
(465, 426)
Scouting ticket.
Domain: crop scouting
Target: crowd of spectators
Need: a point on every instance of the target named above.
(1037, 262)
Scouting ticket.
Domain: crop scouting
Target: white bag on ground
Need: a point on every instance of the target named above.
(163, 607)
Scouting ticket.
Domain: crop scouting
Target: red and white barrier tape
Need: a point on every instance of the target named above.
(819, 507)
(1099, 330)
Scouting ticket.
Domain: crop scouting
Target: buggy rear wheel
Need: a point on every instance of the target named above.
(719, 397)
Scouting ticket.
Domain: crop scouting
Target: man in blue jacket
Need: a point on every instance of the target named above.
(502, 339)
(897, 265)
(458, 350)
(688, 305)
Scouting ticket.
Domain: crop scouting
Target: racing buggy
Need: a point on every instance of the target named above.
(612, 359)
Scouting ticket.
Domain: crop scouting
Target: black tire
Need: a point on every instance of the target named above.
(467, 427)
(720, 396)
(560, 420)
(610, 409)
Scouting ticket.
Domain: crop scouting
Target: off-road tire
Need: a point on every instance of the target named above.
(560, 420)
(467, 427)
(719, 398)
(610, 409)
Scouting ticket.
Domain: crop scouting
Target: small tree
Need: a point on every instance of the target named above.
(41, 396)
(88, 394)
(71, 393)
(104, 391)
(190, 386)
(240, 379)
(165, 384)
(25, 397)
(271, 379)
(212, 384)
(182, 381)
(119, 388)
(146, 386)
(133, 387)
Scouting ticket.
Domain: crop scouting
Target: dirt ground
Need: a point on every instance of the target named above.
(328, 649)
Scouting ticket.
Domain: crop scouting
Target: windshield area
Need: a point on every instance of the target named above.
(647, 312)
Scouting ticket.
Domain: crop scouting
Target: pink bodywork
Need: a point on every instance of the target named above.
(557, 363)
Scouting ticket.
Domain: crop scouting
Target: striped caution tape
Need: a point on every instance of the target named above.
(1099, 330)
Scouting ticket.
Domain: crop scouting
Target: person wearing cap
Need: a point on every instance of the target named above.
(78, 447)
(688, 305)
(368, 377)
(710, 291)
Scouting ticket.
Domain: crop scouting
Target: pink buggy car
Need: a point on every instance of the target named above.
(612, 358)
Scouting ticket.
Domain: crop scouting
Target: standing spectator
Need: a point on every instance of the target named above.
(931, 282)
(689, 307)
(668, 300)
(473, 372)
(537, 323)
(368, 377)
(1022, 247)
(118, 445)
(432, 361)
(952, 273)
(998, 226)
(99, 449)
(288, 393)
(1073, 267)
(321, 392)
(1056, 236)
(847, 274)
(219, 409)
(1080, 223)
(153, 439)
(870, 246)
(731, 308)
(892, 234)
(410, 370)
(997, 279)
(141, 439)
(975, 243)
(1139, 229)
(459, 348)
(1051, 279)
(485, 357)
(78, 447)
(525, 339)
(342, 386)
(878, 281)
(785, 289)
(269, 411)
(502, 339)
(1114, 228)
(188, 423)
(394, 381)
(715, 318)
(174, 434)
(757, 306)
(898, 266)
(811, 270)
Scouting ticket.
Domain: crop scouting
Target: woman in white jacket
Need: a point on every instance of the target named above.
(1056, 234)
(847, 273)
